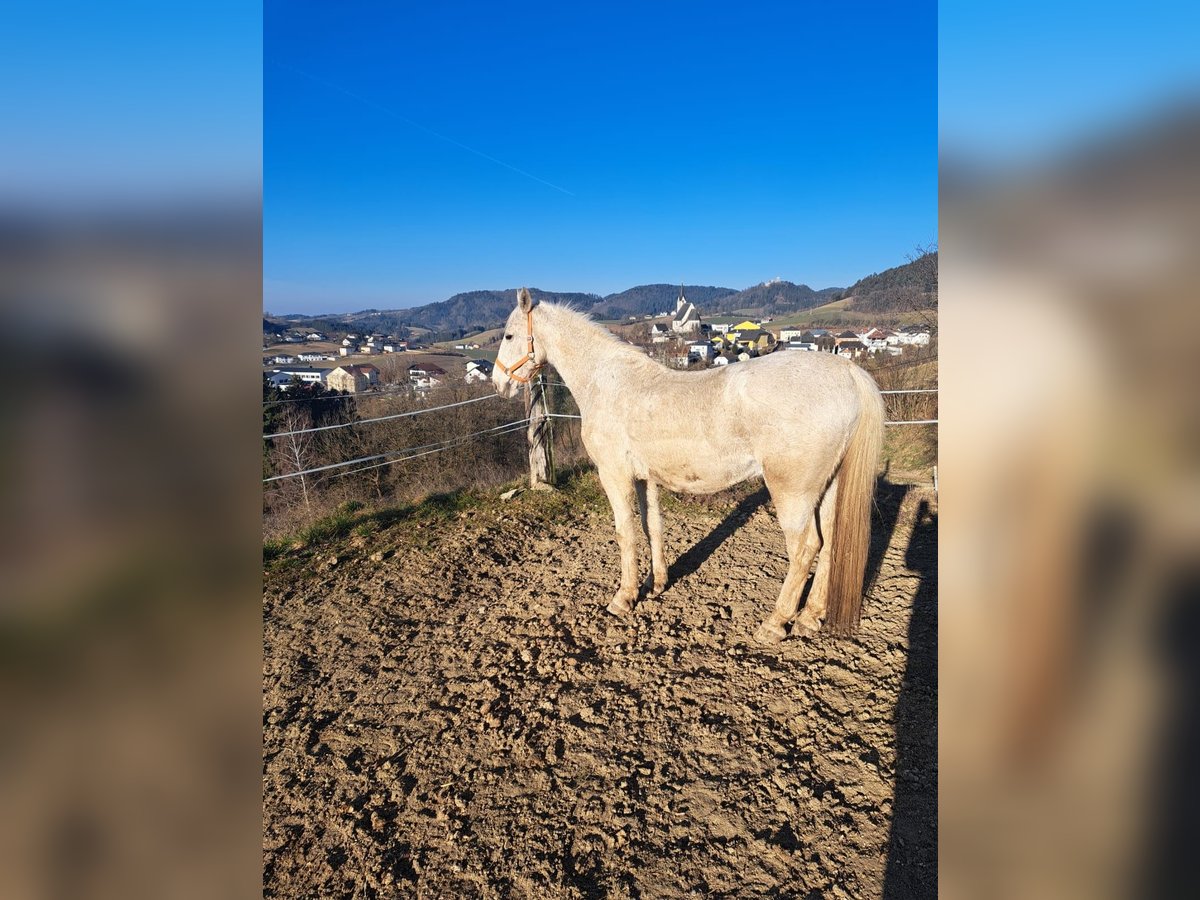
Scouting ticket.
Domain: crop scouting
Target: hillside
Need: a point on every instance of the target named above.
(911, 286)
(479, 310)
(651, 299)
(772, 298)
(903, 288)
(447, 706)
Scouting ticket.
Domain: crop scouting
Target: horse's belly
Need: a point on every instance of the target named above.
(693, 475)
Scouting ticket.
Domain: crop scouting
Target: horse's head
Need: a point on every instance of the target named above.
(521, 355)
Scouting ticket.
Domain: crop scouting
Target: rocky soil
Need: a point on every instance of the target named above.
(448, 710)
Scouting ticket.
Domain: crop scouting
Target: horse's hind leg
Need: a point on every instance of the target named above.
(803, 542)
(622, 498)
(813, 615)
(652, 525)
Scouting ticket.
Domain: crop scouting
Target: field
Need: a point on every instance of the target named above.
(393, 367)
(450, 712)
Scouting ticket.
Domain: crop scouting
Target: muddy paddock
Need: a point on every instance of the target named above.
(450, 712)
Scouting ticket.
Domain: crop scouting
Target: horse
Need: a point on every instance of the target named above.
(810, 424)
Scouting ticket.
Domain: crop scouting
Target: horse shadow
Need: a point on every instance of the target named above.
(884, 514)
(698, 554)
(911, 869)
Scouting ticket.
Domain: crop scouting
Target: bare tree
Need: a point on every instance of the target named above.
(291, 451)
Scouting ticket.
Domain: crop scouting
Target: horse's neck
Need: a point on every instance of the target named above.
(581, 352)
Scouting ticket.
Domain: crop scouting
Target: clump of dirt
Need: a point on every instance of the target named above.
(450, 712)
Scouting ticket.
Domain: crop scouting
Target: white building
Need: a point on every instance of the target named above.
(424, 377)
(686, 319)
(309, 375)
(478, 370)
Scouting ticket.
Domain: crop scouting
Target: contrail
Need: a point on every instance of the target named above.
(418, 125)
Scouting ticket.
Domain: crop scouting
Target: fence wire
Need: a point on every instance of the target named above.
(397, 454)
(403, 415)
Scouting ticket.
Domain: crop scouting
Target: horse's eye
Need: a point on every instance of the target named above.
(508, 337)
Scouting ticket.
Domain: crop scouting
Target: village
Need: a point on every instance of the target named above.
(680, 338)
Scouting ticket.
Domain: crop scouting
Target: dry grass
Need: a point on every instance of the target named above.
(908, 448)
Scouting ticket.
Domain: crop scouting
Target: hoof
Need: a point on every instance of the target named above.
(769, 633)
(654, 588)
(806, 627)
(620, 607)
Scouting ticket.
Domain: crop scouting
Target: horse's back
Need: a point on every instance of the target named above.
(796, 383)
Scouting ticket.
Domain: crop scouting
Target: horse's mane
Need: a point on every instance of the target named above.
(581, 326)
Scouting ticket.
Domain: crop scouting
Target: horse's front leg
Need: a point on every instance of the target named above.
(652, 525)
(622, 497)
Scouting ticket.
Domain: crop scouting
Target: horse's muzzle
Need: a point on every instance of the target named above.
(505, 388)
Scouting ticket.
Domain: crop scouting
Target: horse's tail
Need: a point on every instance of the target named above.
(851, 538)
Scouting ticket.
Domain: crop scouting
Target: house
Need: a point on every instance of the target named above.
(343, 351)
(686, 320)
(792, 333)
(719, 327)
(748, 335)
(353, 379)
(425, 376)
(394, 347)
(914, 335)
(478, 370)
(368, 350)
(306, 374)
(659, 333)
(283, 360)
(800, 345)
(699, 350)
(315, 336)
(311, 357)
(849, 345)
(720, 361)
(346, 342)
(879, 339)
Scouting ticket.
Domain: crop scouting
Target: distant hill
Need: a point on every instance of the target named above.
(650, 299)
(480, 310)
(913, 285)
(773, 298)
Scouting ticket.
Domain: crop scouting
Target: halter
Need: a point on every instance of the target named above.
(510, 371)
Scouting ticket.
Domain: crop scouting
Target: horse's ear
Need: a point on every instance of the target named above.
(524, 301)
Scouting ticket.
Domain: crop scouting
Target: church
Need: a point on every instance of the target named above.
(685, 320)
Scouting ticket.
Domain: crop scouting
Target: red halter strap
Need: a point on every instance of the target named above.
(511, 371)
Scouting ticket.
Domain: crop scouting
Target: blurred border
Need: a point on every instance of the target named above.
(130, 280)
(1070, 194)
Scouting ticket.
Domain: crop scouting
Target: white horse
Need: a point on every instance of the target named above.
(809, 423)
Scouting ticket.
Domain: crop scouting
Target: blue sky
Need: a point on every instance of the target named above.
(1023, 80)
(128, 103)
(412, 151)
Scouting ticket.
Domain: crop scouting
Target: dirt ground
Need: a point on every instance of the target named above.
(450, 712)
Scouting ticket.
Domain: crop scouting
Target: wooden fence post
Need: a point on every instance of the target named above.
(541, 467)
